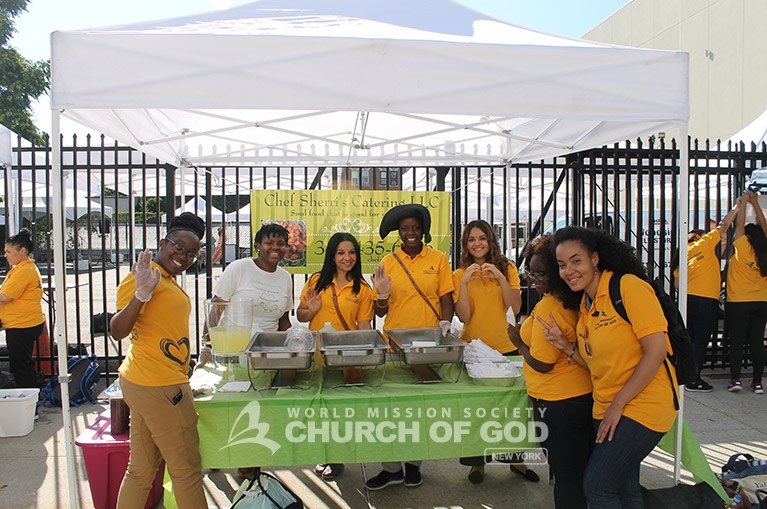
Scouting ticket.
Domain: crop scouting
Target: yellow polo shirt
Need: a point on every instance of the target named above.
(431, 271)
(22, 284)
(744, 280)
(616, 351)
(703, 269)
(565, 380)
(160, 350)
(354, 308)
(488, 313)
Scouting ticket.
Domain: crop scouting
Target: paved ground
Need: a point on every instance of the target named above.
(33, 468)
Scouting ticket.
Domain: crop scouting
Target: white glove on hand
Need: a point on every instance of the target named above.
(445, 326)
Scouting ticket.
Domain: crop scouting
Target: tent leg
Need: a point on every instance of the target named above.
(684, 202)
(59, 254)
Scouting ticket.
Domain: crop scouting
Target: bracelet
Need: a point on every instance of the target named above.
(384, 306)
(143, 300)
(572, 354)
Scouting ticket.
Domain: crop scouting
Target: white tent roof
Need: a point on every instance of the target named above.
(315, 82)
(755, 132)
(199, 207)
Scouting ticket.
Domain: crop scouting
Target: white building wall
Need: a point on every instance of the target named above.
(726, 40)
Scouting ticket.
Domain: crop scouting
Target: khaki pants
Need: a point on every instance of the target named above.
(162, 429)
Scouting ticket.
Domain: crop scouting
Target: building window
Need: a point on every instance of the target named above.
(355, 177)
(383, 178)
(365, 178)
(394, 178)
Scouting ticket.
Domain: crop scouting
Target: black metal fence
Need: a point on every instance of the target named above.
(629, 189)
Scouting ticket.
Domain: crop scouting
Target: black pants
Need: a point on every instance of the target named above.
(746, 321)
(702, 317)
(569, 444)
(21, 343)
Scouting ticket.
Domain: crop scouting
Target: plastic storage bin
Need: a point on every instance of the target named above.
(17, 411)
(106, 460)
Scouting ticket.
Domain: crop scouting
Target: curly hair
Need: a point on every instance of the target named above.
(494, 254)
(758, 241)
(271, 230)
(614, 254)
(542, 247)
(21, 239)
(328, 270)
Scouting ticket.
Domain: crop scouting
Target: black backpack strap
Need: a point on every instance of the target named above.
(615, 296)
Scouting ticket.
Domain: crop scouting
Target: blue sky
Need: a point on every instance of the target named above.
(569, 18)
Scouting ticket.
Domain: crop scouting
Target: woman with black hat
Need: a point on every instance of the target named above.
(414, 289)
(153, 310)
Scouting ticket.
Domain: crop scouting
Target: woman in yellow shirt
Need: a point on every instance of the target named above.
(153, 310)
(746, 306)
(486, 286)
(633, 391)
(20, 311)
(559, 387)
(339, 295)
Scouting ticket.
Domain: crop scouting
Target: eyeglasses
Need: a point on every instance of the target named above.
(180, 249)
(586, 344)
(537, 275)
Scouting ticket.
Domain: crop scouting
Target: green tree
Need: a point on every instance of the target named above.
(21, 80)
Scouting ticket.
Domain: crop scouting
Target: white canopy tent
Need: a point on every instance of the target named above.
(359, 83)
(199, 206)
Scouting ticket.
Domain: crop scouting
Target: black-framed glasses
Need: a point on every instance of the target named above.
(537, 275)
(586, 344)
(180, 249)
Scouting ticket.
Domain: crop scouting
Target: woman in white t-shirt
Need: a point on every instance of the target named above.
(262, 280)
(268, 285)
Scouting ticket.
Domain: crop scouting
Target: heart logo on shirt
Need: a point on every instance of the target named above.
(177, 352)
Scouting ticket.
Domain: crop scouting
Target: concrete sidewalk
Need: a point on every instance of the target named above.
(33, 468)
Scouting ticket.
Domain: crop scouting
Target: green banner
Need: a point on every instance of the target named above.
(399, 420)
(311, 217)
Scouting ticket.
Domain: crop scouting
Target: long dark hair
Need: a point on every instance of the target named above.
(328, 270)
(614, 254)
(494, 255)
(22, 239)
(758, 241)
(543, 248)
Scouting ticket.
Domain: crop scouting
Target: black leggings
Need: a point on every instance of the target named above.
(21, 343)
(746, 321)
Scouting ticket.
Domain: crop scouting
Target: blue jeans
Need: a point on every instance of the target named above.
(702, 318)
(569, 444)
(612, 475)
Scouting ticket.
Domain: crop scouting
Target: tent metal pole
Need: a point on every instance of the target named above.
(683, 228)
(60, 275)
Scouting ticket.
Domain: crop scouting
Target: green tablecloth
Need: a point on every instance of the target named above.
(400, 420)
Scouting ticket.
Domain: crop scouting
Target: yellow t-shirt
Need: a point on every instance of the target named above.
(354, 308)
(488, 313)
(431, 271)
(744, 280)
(565, 380)
(22, 284)
(703, 269)
(616, 351)
(160, 349)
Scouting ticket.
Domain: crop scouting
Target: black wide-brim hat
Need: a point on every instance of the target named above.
(393, 216)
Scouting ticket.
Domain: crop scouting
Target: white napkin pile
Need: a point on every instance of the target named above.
(483, 361)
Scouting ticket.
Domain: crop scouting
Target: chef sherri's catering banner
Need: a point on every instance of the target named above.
(311, 217)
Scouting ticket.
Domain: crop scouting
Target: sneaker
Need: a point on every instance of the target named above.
(332, 470)
(735, 386)
(699, 386)
(412, 475)
(319, 468)
(757, 388)
(385, 479)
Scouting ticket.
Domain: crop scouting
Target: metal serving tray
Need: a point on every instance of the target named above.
(267, 351)
(442, 349)
(353, 348)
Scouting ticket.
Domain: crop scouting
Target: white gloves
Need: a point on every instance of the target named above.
(445, 326)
